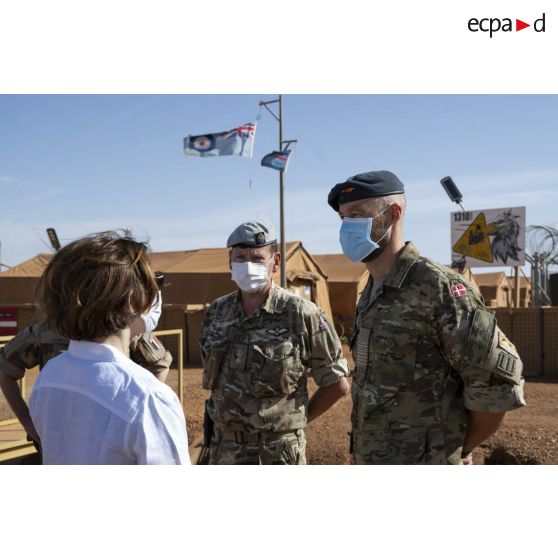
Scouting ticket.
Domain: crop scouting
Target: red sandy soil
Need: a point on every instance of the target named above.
(528, 435)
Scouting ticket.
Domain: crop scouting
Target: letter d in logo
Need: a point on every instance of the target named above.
(539, 24)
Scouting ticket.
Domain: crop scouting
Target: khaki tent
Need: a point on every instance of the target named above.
(524, 290)
(468, 274)
(346, 280)
(494, 288)
(498, 289)
(195, 278)
(200, 276)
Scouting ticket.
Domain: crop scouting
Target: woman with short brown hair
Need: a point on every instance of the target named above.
(92, 404)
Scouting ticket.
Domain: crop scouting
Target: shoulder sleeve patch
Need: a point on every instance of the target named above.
(500, 357)
(480, 336)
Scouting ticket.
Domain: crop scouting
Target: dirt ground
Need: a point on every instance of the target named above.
(529, 434)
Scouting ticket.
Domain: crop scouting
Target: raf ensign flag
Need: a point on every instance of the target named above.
(239, 141)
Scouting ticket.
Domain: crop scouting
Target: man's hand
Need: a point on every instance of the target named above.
(480, 426)
(32, 432)
(467, 459)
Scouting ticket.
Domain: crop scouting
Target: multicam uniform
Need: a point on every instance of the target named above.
(35, 345)
(426, 349)
(256, 368)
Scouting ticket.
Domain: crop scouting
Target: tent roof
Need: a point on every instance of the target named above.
(205, 260)
(339, 269)
(491, 279)
(29, 268)
(523, 281)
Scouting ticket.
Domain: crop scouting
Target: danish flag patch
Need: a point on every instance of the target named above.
(458, 290)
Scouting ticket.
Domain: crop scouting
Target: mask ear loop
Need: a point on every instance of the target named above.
(383, 211)
(383, 236)
(387, 230)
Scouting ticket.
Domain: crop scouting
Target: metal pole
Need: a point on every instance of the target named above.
(282, 245)
(282, 203)
(517, 287)
(536, 280)
(181, 367)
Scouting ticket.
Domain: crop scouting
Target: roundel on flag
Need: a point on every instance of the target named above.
(202, 143)
(277, 163)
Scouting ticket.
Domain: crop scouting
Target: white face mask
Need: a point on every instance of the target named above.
(151, 317)
(250, 277)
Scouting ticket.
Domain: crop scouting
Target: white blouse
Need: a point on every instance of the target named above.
(92, 405)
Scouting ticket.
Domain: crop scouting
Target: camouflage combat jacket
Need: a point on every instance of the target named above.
(426, 349)
(256, 367)
(35, 345)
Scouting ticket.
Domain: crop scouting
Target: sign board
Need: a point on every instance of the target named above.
(8, 321)
(488, 237)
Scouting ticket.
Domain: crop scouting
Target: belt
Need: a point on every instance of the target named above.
(255, 437)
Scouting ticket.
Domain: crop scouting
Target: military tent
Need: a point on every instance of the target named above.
(346, 280)
(194, 279)
(524, 290)
(495, 289)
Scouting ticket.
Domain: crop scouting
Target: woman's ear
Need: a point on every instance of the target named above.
(136, 323)
(128, 305)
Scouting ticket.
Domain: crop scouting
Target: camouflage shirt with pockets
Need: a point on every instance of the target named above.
(426, 350)
(256, 367)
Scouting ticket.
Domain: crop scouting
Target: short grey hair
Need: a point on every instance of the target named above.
(386, 201)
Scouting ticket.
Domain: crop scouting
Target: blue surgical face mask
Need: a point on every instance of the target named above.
(355, 237)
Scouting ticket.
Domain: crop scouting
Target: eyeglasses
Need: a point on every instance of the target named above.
(160, 279)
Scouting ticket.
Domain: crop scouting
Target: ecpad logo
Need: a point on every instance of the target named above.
(494, 24)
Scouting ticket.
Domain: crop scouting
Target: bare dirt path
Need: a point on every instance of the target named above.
(531, 433)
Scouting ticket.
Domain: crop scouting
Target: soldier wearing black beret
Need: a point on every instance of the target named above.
(434, 373)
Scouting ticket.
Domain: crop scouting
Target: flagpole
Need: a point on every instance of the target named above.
(282, 202)
(282, 249)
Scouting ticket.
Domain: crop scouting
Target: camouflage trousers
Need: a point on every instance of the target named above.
(402, 446)
(287, 448)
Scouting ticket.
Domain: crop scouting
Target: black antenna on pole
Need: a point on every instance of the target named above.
(53, 237)
(452, 190)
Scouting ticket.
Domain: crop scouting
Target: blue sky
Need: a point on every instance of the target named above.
(86, 163)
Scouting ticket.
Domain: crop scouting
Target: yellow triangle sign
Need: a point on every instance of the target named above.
(474, 241)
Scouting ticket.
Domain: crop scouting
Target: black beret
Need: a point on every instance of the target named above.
(374, 184)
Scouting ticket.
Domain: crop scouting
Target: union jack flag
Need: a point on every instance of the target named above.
(246, 131)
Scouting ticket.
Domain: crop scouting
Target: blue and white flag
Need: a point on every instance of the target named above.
(277, 160)
(239, 141)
